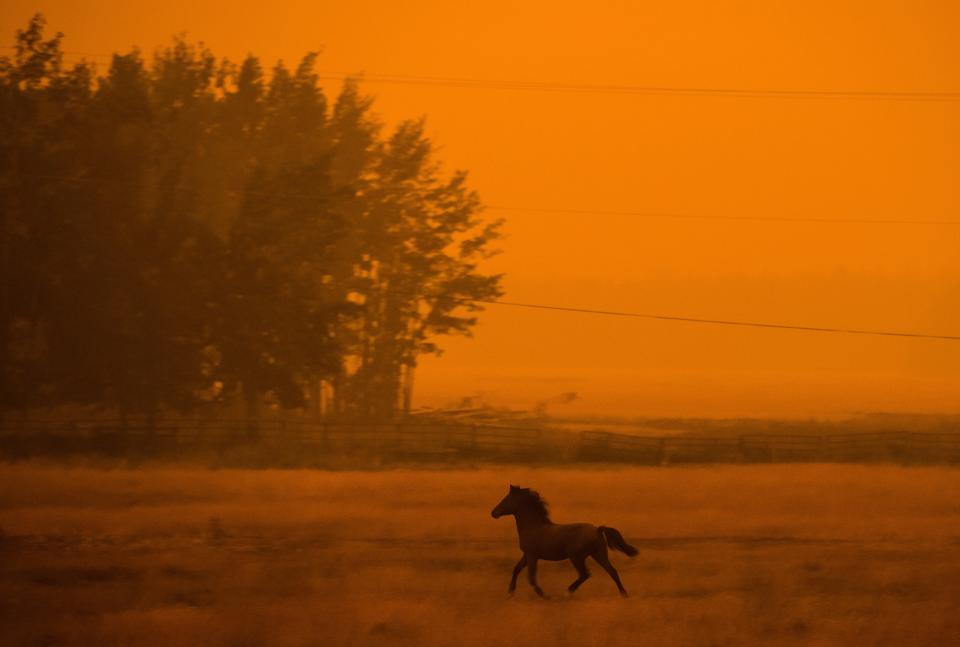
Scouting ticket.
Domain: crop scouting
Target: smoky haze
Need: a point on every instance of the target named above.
(584, 178)
(193, 233)
(293, 293)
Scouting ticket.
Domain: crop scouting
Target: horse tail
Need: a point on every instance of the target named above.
(616, 541)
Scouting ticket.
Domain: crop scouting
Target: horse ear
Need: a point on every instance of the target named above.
(513, 488)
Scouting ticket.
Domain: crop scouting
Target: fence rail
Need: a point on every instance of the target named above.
(305, 441)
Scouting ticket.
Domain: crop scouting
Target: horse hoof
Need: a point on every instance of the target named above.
(623, 594)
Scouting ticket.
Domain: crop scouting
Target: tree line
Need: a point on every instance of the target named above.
(188, 231)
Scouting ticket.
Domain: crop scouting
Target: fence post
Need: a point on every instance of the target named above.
(662, 458)
(909, 452)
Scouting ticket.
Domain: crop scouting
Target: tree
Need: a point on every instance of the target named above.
(188, 231)
(421, 238)
(42, 114)
(278, 310)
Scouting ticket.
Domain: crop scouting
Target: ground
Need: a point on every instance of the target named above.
(784, 555)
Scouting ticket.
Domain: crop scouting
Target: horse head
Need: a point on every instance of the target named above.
(509, 504)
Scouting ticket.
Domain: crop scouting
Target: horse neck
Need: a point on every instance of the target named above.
(529, 519)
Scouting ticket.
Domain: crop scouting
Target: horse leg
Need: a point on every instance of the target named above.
(532, 575)
(516, 573)
(601, 557)
(580, 564)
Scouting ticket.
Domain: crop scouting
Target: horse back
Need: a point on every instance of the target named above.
(560, 541)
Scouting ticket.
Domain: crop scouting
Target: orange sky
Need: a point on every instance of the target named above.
(712, 156)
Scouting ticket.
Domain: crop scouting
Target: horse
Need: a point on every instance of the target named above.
(540, 538)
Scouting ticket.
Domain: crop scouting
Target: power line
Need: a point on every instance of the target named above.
(590, 212)
(547, 86)
(623, 89)
(721, 322)
(71, 53)
(694, 216)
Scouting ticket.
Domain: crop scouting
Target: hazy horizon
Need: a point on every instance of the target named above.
(711, 156)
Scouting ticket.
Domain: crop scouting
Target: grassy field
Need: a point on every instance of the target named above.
(784, 555)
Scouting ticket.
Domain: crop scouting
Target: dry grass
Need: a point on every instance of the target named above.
(785, 555)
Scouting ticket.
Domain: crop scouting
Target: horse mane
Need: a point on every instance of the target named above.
(534, 502)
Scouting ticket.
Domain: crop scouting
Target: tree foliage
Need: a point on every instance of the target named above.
(187, 231)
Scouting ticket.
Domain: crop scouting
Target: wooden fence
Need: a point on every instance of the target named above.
(282, 440)
(310, 442)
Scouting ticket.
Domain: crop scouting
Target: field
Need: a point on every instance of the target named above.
(729, 555)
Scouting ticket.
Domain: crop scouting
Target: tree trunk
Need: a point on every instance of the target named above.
(317, 398)
(251, 411)
(408, 376)
(152, 422)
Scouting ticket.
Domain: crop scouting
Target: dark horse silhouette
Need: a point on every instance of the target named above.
(540, 538)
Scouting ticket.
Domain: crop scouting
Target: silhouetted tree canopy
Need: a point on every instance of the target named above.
(188, 231)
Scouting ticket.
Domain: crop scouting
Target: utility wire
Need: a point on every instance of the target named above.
(694, 216)
(623, 89)
(580, 212)
(721, 322)
(673, 318)
(72, 53)
(585, 88)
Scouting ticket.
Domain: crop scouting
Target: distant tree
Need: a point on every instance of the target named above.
(421, 238)
(43, 108)
(189, 231)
